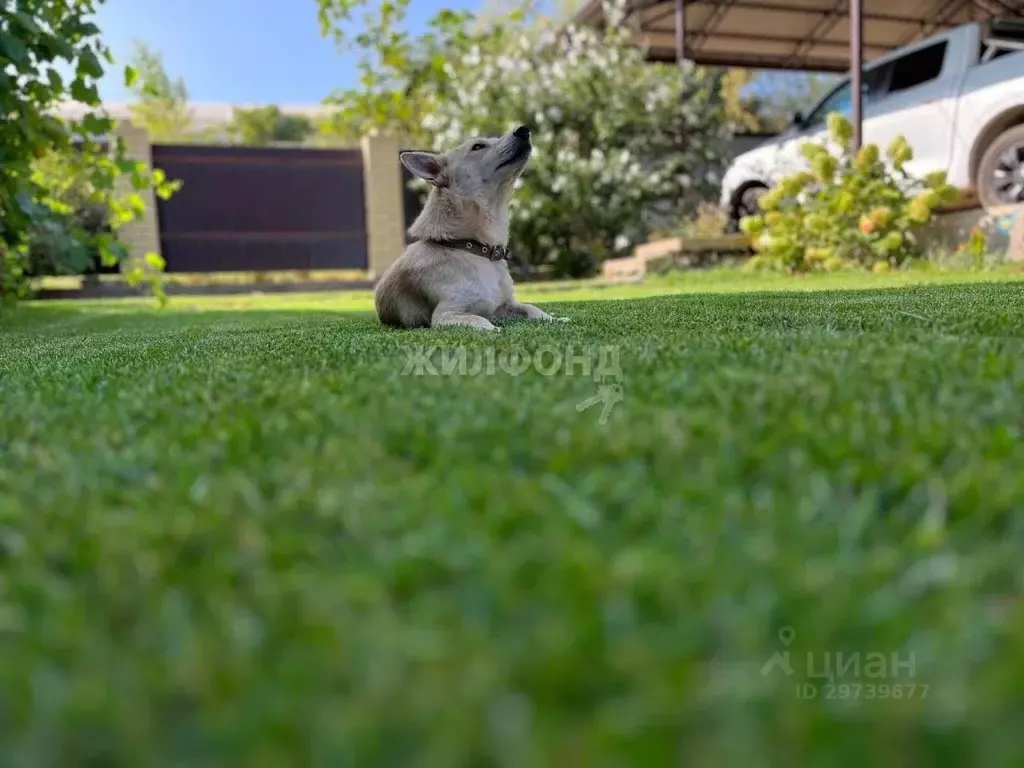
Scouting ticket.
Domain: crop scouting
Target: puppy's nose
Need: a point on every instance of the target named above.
(522, 132)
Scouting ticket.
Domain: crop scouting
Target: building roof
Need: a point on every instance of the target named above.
(204, 114)
(790, 34)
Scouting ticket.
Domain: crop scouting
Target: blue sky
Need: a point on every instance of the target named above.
(244, 51)
(239, 51)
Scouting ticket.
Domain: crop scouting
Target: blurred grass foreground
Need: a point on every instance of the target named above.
(264, 532)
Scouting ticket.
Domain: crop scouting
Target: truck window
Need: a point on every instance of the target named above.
(917, 68)
(1001, 38)
(840, 100)
(837, 101)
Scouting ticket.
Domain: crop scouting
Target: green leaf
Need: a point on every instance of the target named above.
(88, 29)
(130, 76)
(96, 125)
(166, 191)
(154, 261)
(26, 22)
(134, 276)
(56, 81)
(151, 90)
(136, 204)
(86, 94)
(112, 251)
(63, 48)
(89, 64)
(13, 49)
(26, 204)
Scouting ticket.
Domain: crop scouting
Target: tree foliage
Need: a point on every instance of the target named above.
(741, 109)
(162, 103)
(260, 126)
(38, 38)
(775, 97)
(402, 76)
(61, 238)
(621, 145)
(764, 101)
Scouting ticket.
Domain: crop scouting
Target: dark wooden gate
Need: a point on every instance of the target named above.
(262, 208)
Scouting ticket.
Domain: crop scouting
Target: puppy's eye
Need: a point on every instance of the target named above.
(477, 147)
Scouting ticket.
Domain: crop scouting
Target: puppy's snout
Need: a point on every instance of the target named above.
(522, 132)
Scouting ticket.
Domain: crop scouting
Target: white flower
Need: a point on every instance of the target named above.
(610, 156)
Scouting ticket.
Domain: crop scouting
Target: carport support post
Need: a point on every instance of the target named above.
(856, 66)
(680, 35)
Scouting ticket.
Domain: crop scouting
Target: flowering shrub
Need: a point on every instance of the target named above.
(618, 142)
(621, 146)
(849, 210)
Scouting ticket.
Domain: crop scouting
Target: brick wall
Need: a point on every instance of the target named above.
(142, 235)
(385, 208)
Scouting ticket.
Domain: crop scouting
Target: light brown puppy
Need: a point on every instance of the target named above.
(456, 272)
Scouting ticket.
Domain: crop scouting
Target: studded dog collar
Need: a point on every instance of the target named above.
(490, 252)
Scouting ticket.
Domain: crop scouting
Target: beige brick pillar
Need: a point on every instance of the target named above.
(385, 207)
(142, 235)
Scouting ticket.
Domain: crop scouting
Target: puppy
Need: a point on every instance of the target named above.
(456, 273)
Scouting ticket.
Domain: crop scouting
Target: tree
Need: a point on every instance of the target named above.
(548, 15)
(263, 125)
(776, 96)
(620, 142)
(401, 77)
(331, 130)
(37, 37)
(162, 105)
(741, 109)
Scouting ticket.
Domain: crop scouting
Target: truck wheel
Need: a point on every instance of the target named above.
(1000, 179)
(746, 205)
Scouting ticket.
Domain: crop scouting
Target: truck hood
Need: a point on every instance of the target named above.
(752, 165)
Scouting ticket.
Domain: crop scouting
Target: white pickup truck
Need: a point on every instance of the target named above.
(957, 97)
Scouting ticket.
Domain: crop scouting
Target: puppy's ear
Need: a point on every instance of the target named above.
(425, 165)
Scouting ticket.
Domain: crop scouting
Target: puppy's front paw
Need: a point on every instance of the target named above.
(562, 319)
(485, 326)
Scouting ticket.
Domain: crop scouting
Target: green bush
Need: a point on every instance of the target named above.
(56, 246)
(64, 231)
(850, 210)
(52, 54)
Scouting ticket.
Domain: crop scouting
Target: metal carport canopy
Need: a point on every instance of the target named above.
(812, 35)
(815, 35)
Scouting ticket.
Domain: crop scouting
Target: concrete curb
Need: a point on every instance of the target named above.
(120, 291)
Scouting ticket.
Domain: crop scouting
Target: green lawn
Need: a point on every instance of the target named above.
(240, 532)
